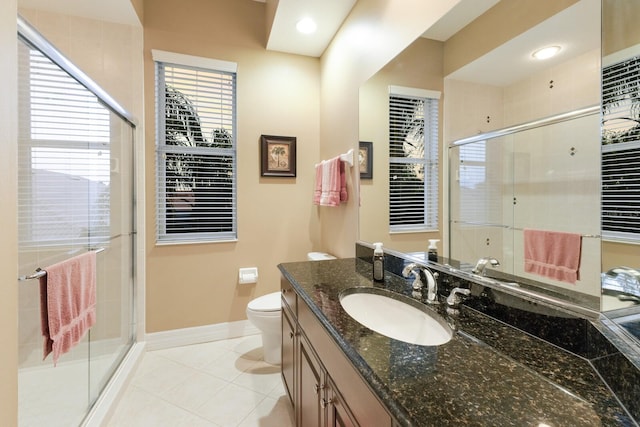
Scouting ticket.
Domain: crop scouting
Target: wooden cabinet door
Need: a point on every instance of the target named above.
(338, 414)
(288, 355)
(311, 387)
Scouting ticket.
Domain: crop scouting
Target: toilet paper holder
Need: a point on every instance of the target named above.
(248, 275)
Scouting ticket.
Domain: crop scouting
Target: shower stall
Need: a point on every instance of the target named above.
(76, 194)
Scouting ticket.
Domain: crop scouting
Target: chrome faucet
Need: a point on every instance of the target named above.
(454, 299)
(423, 276)
(482, 263)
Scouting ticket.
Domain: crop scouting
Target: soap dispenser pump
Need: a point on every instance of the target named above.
(378, 263)
(433, 250)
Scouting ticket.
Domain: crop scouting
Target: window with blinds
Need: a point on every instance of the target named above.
(621, 150)
(196, 153)
(413, 163)
(64, 157)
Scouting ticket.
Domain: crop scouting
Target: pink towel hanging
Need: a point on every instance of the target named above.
(553, 254)
(67, 303)
(331, 183)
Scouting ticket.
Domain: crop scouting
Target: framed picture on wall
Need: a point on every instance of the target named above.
(278, 156)
(365, 160)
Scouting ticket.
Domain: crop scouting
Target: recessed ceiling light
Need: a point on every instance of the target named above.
(546, 52)
(306, 26)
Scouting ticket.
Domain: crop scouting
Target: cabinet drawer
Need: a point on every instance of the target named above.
(289, 296)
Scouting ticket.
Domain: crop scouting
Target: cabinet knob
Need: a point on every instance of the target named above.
(284, 291)
(326, 402)
(318, 387)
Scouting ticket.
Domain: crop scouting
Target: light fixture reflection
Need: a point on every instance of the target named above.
(546, 52)
(306, 26)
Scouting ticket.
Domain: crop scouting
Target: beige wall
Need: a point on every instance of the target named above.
(8, 215)
(372, 35)
(418, 66)
(278, 94)
(281, 94)
(620, 25)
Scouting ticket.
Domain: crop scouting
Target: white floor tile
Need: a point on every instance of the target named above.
(218, 384)
(229, 366)
(197, 355)
(230, 405)
(260, 378)
(194, 390)
(270, 413)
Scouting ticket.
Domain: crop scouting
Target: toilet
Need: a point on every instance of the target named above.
(264, 313)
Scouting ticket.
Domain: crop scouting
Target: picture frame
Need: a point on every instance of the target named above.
(365, 159)
(278, 156)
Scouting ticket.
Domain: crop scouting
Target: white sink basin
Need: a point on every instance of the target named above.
(395, 316)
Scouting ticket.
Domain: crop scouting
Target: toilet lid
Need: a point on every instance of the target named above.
(269, 302)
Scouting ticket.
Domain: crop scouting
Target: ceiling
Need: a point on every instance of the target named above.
(330, 14)
(576, 30)
(572, 29)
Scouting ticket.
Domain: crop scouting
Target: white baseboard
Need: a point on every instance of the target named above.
(199, 334)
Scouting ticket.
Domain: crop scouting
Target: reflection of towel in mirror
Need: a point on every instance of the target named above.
(67, 303)
(331, 187)
(553, 254)
(318, 190)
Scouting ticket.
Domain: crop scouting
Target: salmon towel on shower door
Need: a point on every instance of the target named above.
(67, 303)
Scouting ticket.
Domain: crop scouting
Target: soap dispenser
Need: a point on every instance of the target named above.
(378, 263)
(433, 250)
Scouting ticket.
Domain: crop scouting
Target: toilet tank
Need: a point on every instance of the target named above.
(319, 256)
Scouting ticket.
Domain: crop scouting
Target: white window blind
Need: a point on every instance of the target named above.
(196, 153)
(64, 157)
(477, 199)
(413, 162)
(621, 150)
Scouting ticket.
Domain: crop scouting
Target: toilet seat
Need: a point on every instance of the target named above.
(266, 303)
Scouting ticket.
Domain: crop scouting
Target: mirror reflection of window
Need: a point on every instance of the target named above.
(413, 161)
(621, 150)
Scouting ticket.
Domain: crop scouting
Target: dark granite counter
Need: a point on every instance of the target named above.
(490, 373)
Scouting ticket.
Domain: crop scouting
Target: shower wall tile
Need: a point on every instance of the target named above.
(110, 53)
(565, 87)
(476, 108)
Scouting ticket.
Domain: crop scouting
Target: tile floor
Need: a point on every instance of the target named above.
(221, 383)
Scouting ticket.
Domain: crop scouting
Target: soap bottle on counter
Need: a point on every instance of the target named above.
(378, 263)
(433, 250)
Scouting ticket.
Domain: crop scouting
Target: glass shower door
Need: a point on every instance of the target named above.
(75, 177)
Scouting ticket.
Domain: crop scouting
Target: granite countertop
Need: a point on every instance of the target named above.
(488, 374)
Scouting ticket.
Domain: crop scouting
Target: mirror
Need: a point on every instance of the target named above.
(494, 91)
(620, 51)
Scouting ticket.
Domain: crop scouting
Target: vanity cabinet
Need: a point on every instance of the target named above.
(320, 403)
(288, 351)
(323, 386)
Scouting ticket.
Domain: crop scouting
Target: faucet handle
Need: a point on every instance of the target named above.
(454, 298)
(408, 269)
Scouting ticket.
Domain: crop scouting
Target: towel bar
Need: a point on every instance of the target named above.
(38, 273)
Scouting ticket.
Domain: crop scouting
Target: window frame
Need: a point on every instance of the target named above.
(207, 66)
(430, 161)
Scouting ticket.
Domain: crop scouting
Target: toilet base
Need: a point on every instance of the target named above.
(271, 344)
